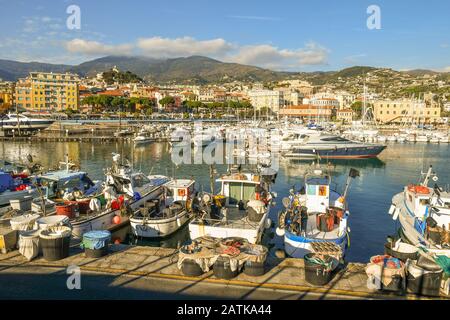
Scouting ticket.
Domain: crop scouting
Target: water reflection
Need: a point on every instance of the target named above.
(369, 198)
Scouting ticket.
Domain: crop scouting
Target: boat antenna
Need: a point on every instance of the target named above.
(352, 174)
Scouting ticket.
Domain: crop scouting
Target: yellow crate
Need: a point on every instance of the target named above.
(8, 239)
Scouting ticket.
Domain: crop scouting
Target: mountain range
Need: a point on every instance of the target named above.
(189, 70)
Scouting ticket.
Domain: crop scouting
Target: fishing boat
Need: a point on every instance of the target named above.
(315, 214)
(163, 216)
(240, 209)
(334, 147)
(424, 214)
(15, 186)
(124, 191)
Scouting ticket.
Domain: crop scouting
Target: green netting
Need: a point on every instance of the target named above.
(444, 263)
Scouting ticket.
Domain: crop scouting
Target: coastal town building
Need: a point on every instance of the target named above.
(406, 111)
(308, 111)
(6, 95)
(270, 99)
(345, 115)
(50, 92)
(301, 86)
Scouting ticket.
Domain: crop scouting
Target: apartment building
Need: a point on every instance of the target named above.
(274, 100)
(42, 91)
(308, 111)
(345, 115)
(406, 111)
(6, 95)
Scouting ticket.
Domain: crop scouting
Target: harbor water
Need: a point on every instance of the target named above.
(369, 197)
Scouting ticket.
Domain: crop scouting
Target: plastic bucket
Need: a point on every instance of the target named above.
(29, 244)
(316, 273)
(423, 282)
(191, 268)
(96, 253)
(55, 243)
(95, 243)
(222, 269)
(257, 266)
(67, 209)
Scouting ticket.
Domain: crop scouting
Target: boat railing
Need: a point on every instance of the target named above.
(227, 223)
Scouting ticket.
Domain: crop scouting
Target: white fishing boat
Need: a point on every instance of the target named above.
(163, 216)
(424, 214)
(241, 209)
(15, 187)
(144, 137)
(315, 214)
(123, 193)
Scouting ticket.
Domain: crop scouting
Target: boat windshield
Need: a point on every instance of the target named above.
(332, 139)
(240, 191)
(139, 181)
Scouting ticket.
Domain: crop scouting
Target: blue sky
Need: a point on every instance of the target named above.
(281, 35)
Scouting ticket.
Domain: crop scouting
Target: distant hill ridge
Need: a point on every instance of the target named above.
(193, 70)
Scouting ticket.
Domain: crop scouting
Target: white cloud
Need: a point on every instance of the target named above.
(165, 47)
(96, 48)
(271, 57)
(37, 23)
(263, 55)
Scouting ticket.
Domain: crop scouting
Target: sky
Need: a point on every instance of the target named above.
(294, 35)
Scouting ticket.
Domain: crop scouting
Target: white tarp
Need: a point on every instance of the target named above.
(29, 244)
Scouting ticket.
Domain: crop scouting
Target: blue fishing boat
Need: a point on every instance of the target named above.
(315, 214)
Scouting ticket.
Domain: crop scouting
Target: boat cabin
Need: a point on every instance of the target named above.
(327, 217)
(317, 190)
(179, 190)
(57, 183)
(241, 187)
(417, 200)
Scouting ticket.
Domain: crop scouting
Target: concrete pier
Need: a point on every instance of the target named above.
(148, 272)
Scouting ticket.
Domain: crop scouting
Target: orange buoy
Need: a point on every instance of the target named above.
(117, 241)
(116, 220)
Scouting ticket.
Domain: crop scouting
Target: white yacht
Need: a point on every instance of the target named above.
(19, 122)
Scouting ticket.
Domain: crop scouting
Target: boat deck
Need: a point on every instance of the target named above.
(236, 219)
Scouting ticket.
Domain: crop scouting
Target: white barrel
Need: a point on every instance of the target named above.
(24, 222)
(52, 221)
(29, 244)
